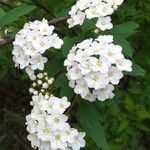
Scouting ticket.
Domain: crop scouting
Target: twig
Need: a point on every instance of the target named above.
(6, 4)
(41, 6)
(51, 22)
(57, 20)
(72, 105)
(6, 41)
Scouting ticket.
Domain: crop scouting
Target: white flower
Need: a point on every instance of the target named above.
(60, 105)
(58, 141)
(104, 93)
(114, 75)
(79, 141)
(31, 42)
(96, 80)
(57, 121)
(124, 64)
(100, 64)
(90, 9)
(104, 23)
(92, 65)
(47, 125)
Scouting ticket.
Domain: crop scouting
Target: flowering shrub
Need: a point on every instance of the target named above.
(75, 70)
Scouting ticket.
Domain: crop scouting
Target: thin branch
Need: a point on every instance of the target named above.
(41, 6)
(6, 4)
(57, 20)
(6, 41)
(72, 105)
(54, 21)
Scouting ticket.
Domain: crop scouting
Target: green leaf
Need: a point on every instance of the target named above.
(127, 49)
(88, 26)
(143, 114)
(124, 30)
(62, 82)
(54, 68)
(137, 71)
(3, 72)
(15, 14)
(123, 125)
(2, 13)
(68, 44)
(88, 117)
(129, 103)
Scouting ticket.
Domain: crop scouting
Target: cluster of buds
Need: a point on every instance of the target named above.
(42, 85)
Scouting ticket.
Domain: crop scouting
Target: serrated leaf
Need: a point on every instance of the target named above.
(88, 117)
(15, 14)
(124, 30)
(127, 49)
(137, 71)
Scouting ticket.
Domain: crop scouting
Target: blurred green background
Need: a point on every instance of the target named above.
(120, 124)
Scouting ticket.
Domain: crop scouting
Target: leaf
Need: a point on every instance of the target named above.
(88, 25)
(123, 125)
(62, 82)
(54, 68)
(88, 117)
(2, 13)
(68, 44)
(127, 49)
(124, 30)
(129, 103)
(137, 71)
(3, 72)
(15, 14)
(143, 114)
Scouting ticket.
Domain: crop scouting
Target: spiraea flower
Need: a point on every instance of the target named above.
(48, 127)
(101, 9)
(47, 124)
(31, 42)
(95, 66)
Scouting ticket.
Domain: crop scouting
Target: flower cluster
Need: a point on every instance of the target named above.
(31, 42)
(101, 9)
(47, 124)
(42, 85)
(94, 66)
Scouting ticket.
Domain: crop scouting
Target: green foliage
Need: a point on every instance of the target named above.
(118, 124)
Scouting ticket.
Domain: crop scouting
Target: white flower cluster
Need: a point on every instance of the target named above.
(94, 66)
(31, 42)
(47, 124)
(101, 9)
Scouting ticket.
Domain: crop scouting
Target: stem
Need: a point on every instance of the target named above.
(42, 6)
(72, 105)
(6, 4)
